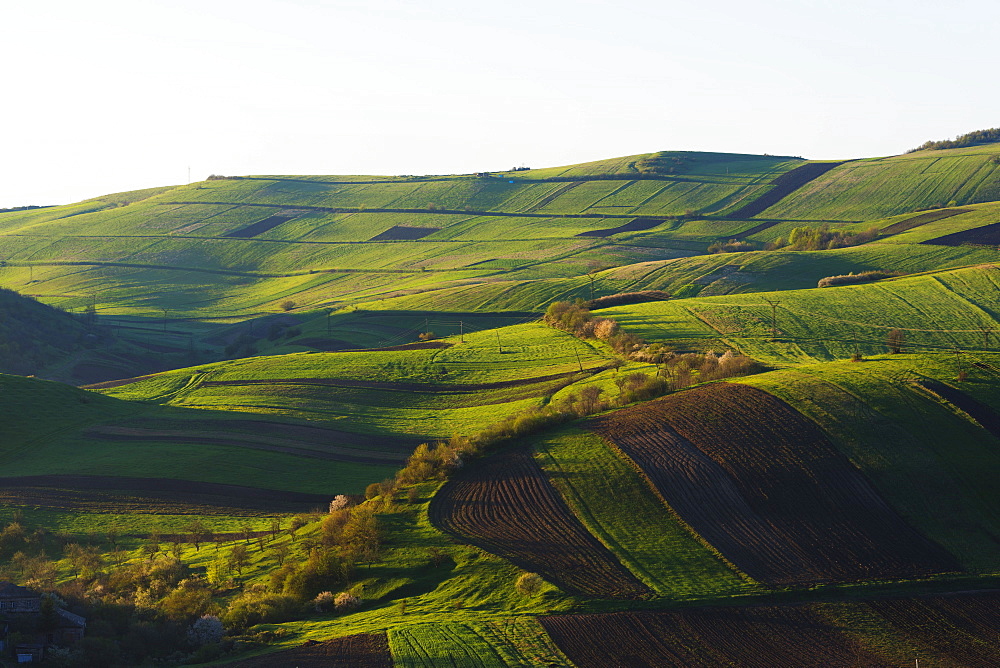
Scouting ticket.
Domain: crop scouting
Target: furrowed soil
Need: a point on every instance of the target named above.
(745, 637)
(507, 506)
(404, 233)
(987, 418)
(963, 628)
(365, 650)
(765, 487)
(637, 225)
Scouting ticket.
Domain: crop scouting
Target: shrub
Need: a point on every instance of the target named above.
(624, 298)
(340, 502)
(287, 305)
(258, 607)
(323, 601)
(895, 340)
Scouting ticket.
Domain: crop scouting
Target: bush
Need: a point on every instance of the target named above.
(287, 305)
(323, 601)
(863, 277)
(529, 584)
(624, 298)
(731, 246)
(346, 602)
(258, 607)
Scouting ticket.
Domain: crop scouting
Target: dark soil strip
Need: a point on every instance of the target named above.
(755, 229)
(331, 453)
(143, 503)
(366, 650)
(232, 495)
(922, 219)
(765, 487)
(506, 505)
(402, 387)
(404, 233)
(988, 418)
(963, 627)
(637, 225)
(764, 637)
(262, 226)
(783, 186)
(987, 235)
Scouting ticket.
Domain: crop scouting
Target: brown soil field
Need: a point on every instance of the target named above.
(265, 225)
(987, 235)
(365, 650)
(506, 505)
(922, 219)
(751, 637)
(961, 628)
(987, 418)
(784, 185)
(151, 495)
(636, 225)
(404, 233)
(765, 487)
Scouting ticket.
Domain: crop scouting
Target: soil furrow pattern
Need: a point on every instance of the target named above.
(783, 186)
(506, 505)
(765, 487)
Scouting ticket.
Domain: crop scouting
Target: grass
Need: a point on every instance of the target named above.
(938, 311)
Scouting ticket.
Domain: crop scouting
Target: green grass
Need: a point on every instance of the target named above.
(937, 311)
(880, 187)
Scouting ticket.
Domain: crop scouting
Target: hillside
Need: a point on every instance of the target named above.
(370, 420)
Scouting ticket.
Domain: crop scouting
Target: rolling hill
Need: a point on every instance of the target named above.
(512, 489)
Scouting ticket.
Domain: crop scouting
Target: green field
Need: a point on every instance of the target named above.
(252, 347)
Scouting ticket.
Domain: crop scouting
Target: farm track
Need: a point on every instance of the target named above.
(365, 650)
(83, 491)
(752, 637)
(507, 506)
(765, 487)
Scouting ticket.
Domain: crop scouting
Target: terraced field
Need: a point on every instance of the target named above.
(774, 497)
(508, 507)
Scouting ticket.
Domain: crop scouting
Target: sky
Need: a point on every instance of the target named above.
(107, 95)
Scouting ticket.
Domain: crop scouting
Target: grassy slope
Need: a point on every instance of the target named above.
(940, 311)
(880, 187)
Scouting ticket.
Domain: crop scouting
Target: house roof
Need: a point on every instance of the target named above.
(69, 620)
(11, 590)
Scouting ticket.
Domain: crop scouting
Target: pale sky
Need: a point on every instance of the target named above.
(111, 95)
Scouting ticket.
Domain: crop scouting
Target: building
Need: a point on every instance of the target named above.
(18, 600)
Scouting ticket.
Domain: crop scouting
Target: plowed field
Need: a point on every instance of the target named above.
(963, 628)
(746, 637)
(365, 650)
(988, 235)
(765, 487)
(506, 505)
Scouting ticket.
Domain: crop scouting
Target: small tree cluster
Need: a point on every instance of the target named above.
(578, 321)
(346, 602)
(822, 238)
(624, 298)
(731, 246)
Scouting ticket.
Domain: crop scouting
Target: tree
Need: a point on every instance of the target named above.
(895, 340)
(287, 305)
(206, 630)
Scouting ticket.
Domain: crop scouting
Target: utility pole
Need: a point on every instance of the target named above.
(498, 341)
(591, 277)
(329, 312)
(857, 348)
(774, 316)
(578, 361)
(164, 318)
(986, 330)
(461, 331)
